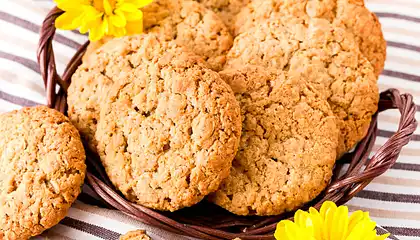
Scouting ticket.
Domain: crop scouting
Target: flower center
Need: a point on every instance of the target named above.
(99, 4)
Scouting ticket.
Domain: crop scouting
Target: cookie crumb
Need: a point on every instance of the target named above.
(135, 235)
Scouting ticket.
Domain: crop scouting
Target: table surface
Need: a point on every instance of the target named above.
(392, 199)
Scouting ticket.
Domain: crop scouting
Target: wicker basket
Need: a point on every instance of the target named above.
(207, 221)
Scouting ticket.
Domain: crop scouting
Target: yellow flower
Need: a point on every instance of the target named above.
(330, 223)
(102, 17)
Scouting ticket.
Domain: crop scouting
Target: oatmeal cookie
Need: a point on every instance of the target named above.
(288, 145)
(167, 135)
(93, 47)
(352, 15)
(323, 55)
(42, 168)
(226, 9)
(135, 235)
(190, 24)
(92, 80)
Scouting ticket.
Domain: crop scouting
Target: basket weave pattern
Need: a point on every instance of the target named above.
(207, 221)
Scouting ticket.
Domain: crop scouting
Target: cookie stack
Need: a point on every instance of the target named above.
(246, 102)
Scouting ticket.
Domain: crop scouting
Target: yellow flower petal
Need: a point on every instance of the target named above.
(317, 221)
(325, 207)
(92, 13)
(300, 218)
(366, 216)
(120, 32)
(303, 220)
(382, 237)
(96, 34)
(371, 235)
(135, 27)
(340, 223)
(116, 31)
(87, 25)
(67, 20)
(327, 211)
(107, 7)
(84, 28)
(280, 232)
(134, 16)
(140, 3)
(98, 4)
(100, 30)
(105, 25)
(355, 217)
(127, 7)
(117, 20)
(78, 21)
(91, 19)
(369, 225)
(356, 234)
(291, 230)
(71, 5)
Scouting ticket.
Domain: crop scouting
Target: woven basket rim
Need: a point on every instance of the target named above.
(361, 169)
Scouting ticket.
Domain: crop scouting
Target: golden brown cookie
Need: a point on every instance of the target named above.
(167, 134)
(288, 144)
(323, 55)
(352, 15)
(192, 25)
(135, 235)
(42, 170)
(93, 47)
(92, 80)
(226, 9)
(189, 24)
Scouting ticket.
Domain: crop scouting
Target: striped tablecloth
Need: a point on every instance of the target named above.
(393, 199)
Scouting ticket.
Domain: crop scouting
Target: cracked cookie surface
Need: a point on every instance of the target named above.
(323, 55)
(288, 145)
(351, 15)
(92, 80)
(192, 25)
(226, 9)
(188, 23)
(42, 168)
(167, 134)
(135, 235)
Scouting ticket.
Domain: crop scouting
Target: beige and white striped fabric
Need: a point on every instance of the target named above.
(392, 199)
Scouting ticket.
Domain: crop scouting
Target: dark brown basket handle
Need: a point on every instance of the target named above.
(386, 156)
(46, 61)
